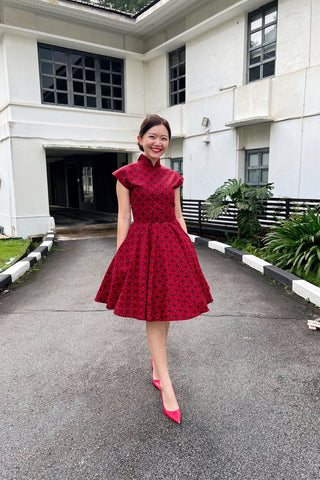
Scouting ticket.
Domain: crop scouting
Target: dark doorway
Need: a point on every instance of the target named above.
(73, 182)
(83, 181)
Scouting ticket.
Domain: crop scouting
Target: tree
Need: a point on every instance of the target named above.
(248, 200)
(131, 6)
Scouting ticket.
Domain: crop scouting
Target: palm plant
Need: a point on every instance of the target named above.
(247, 199)
(295, 243)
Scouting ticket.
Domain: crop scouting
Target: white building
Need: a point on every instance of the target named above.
(77, 80)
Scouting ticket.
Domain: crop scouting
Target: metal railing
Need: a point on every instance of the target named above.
(274, 209)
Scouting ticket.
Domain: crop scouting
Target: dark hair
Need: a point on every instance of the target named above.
(151, 121)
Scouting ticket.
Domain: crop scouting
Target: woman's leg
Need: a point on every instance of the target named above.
(157, 338)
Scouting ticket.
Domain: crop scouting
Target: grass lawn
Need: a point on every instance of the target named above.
(11, 250)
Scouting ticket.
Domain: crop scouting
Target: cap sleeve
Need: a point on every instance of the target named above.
(122, 175)
(178, 181)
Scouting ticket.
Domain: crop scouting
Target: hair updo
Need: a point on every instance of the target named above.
(151, 121)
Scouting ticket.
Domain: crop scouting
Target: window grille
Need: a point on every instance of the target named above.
(262, 36)
(177, 76)
(79, 79)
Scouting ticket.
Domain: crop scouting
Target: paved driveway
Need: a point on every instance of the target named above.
(76, 395)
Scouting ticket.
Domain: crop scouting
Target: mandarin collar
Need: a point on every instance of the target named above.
(146, 161)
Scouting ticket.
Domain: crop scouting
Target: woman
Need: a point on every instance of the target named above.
(155, 275)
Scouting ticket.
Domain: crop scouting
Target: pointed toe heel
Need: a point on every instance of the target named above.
(156, 383)
(174, 415)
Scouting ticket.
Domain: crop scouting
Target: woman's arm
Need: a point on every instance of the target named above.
(124, 213)
(178, 211)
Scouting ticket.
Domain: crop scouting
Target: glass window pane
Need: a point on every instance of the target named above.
(254, 74)
(106, 90)
(45, 53)
(173, 58)
(47, 68)
(265, 158)
(77, 73)
(182, 97)
(91, 88)
(270, 16)
(59, 56)
(61, 84)
(105, 77)
(268, 69)
(181, 55)
(89, 62)
(116, 79)
(176, 166)
(269, 51)
(253, 176)
(104, 64)
(48, 96)
(264, 176)
(78, 100)
(117, 92)
(106, 103)
(60, 70)
(182, 83)
(255, 56)
(253, 160)
(182, 69)
(76, 59)
(174, 86)
(78, 87)
(173, 73)
(47, 82)
(62, 98)
(174, 99)
(117, 105)
(116, 66)
(90, 75)
(270, 34)
(256, 22)
(91, 102)
(256, 39)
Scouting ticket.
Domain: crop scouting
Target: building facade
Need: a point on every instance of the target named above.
(237, 80)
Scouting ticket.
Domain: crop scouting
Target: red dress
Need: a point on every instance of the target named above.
(155, 274)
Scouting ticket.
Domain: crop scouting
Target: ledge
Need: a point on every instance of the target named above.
(244, 122)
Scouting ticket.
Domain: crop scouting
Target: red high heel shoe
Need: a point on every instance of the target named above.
(156, 383)
(174, 415)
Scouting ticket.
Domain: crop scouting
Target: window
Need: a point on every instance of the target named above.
(262, 36)
(176, 164)
(177, 76)
(79, 79)
(257, 167)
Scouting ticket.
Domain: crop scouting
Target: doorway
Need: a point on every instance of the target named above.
(84, 181)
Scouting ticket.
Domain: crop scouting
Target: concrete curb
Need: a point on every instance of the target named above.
(304, 289)
(14, 272)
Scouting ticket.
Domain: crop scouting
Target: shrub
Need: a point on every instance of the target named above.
(295, 243)
(248, 201)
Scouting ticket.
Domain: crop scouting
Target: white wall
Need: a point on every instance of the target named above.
(215, 60)
(7, 200)
(293, 35)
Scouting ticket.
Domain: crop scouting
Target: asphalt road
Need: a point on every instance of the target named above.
(77, 400)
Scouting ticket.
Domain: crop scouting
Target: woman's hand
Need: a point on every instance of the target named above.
(178, 211)
(124, 213)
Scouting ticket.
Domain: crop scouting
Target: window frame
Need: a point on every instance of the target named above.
(260, 167)
(71, 80)
(262, 10)
(177, 78)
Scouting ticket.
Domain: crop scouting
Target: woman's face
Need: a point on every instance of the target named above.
(155, 142)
